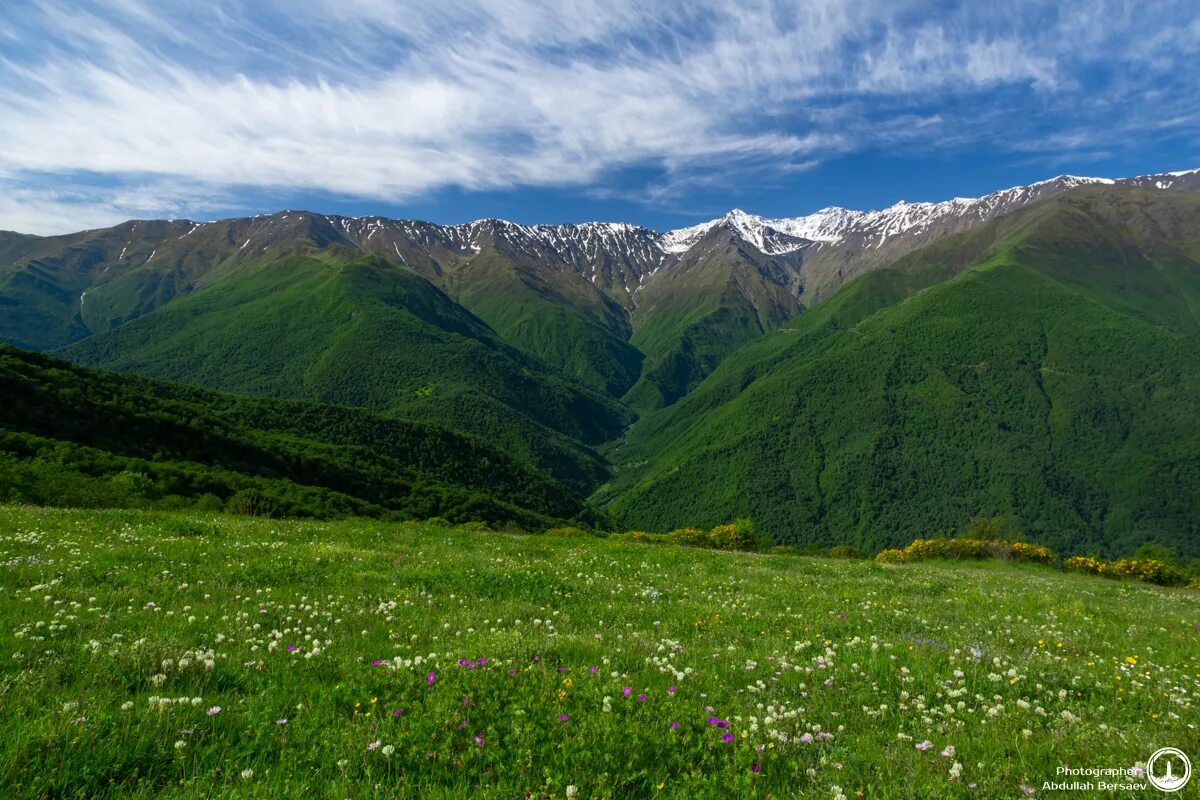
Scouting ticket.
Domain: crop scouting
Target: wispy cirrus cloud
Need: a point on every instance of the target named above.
(179, 105)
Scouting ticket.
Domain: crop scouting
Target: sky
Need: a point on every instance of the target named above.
(659, 113)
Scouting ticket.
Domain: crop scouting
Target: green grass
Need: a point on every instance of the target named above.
(1019, 670)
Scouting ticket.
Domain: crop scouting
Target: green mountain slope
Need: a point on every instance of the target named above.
(720, 295)
(1055, 377)
(336, 326)
(553, 314)
(74, 436)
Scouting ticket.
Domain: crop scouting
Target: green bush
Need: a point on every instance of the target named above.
(845, 551)
(568, 532)
(739, 535)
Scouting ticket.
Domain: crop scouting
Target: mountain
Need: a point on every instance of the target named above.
(1043, 365)
(336, 326)
(74, 436)
(844, 376)
(619, 308)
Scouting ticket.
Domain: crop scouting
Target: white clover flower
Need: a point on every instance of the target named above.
(247, 774)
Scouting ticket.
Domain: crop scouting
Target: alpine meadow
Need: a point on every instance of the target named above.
(369, 501)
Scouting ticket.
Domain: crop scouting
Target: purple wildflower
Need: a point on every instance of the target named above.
(626, 691)
(374, 745)
(755, 767)
(430, 678)
(673, 725)
(563, 717)
(727, 738)
(398, 712)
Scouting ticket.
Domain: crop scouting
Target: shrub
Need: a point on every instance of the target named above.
(688, 537)
(979, 549)
(1150, 571)
(645, 537)
(1086, 564)
(568, 532)
(891, 556)
(734, 536)
(251, 503)
(438, 522)
(1194, 584)
(1033, 554)
(1143, 569)
(845, 551)
(475, 526)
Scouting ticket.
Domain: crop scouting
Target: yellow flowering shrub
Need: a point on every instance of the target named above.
(961, 549)
(733, 536)
(691, 537)
(1149, 570)
(891, 557)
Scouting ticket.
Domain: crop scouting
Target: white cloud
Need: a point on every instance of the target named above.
(388, 99)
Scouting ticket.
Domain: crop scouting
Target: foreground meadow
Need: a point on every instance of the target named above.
(158, 655)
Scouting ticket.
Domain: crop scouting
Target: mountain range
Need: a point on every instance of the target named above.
(845, 376)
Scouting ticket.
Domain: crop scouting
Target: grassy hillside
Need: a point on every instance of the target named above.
(1050, 381)
(171, 656)
(335, 326)
(73, 436)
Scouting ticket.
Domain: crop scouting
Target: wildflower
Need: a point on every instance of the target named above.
(1028, 789)
(592, 670)
(388, 750)
(806, 738)
(755, 767)
(672, 689)
(625, 692)
(398, 712)
(291, 648)
(373, 745)
(673, 725)
(214, 710)
(379, 662)
(247, 774)
(563, 717)
(127, 705)
(282, 721)
(948, 752)
(572, 791)
(479, 741)
(955, 770)
(642, 697)
(925, 745)
(179, 745)
(430, 678)
(727, 737)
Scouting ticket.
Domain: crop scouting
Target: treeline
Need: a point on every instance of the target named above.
(74, 436)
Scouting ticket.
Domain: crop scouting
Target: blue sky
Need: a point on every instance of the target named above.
(660, 113)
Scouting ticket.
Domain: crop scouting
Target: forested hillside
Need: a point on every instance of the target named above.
(74, 436)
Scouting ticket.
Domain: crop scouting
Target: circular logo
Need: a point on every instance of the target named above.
(1168, 769)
